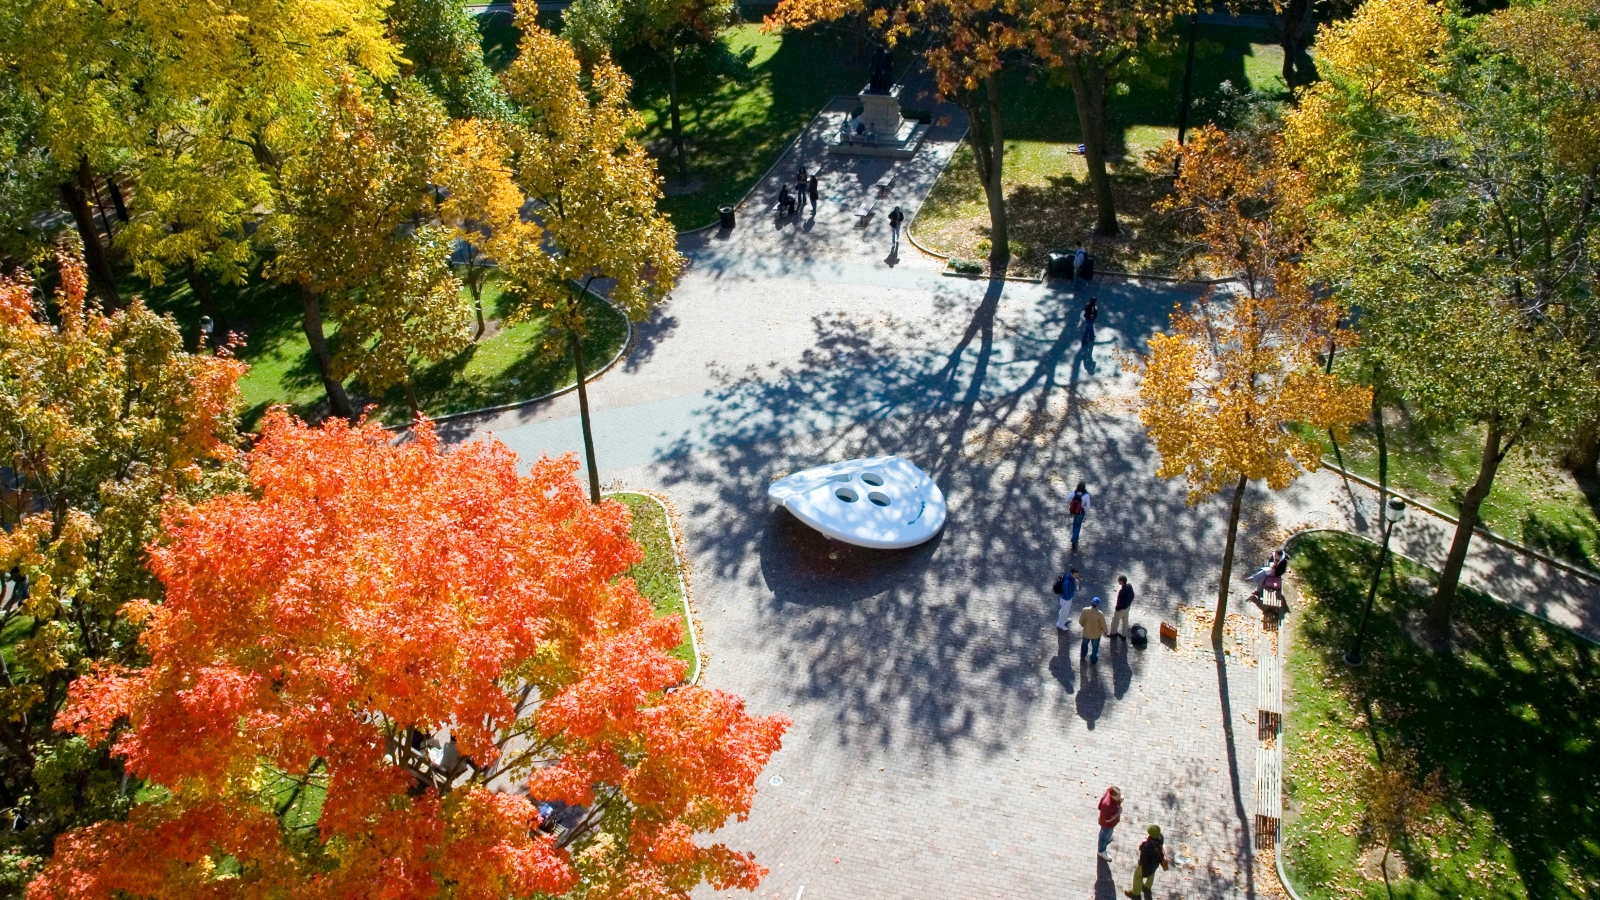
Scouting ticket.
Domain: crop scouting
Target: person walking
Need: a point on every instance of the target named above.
(811, 191)
(1069, 589)
(895, 218)
(1152, 853)
(1119, 618)
(1110, 815)
(1077, 506)
(1093, 623)
(1091, 311)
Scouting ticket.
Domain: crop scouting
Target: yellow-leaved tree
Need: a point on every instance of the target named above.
(1221, 385)
(570, 151)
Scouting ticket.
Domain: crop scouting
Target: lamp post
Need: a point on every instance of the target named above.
(1393, 513)
(206, 327)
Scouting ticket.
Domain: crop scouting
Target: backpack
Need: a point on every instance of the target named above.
(1075, 505)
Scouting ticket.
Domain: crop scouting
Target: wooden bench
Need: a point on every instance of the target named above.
(876, 193)
(1269, 689)
(1269, 795)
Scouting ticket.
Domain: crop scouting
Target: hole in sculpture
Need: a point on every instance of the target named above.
(872, 478)
(846, 495)
(879, 498)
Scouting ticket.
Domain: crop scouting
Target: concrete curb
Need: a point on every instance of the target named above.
(683, 585)
(970, 276)
(1569, 568)
(621, 352)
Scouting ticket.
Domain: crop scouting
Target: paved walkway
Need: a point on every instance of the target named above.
(947, 741)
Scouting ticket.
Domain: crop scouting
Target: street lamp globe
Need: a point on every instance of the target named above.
(1395, 511)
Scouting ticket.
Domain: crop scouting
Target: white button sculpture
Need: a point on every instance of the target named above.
(882, 502)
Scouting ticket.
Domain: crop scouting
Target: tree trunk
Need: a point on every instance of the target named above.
(986, 135)
(672, 107)
(94, 252)
(1089, 90)
(1227, 560)
(477, 306)
(411, 399)
(1582, 459)
(583, 415)
(1444, 598)
(311, 319)
(1294, 35)
(208, 303)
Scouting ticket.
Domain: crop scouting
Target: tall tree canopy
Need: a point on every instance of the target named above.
(355, 228)
(443, 49)
(670, 28)
(360, 598)
(1455, 163)
(102, 419)
(108, 81)
(593, 189)
(1221, 386)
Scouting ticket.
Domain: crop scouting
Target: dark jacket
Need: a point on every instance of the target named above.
(1151, 853)
(1125, 597)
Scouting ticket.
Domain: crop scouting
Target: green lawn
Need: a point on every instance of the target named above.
(657, 577)
(517, 362)
(742, 103)
(1533, 500)
(1047, 188)
(1512, 725)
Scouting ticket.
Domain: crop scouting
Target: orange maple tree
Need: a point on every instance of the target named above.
(433, 646)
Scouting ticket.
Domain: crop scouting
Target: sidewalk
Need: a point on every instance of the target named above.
(1325, 499)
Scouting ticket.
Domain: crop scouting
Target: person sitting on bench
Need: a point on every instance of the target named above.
(785, 202)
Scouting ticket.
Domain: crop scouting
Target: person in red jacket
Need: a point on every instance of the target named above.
(1110, 815)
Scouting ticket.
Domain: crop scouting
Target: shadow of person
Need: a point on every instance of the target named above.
(1091, 695)
(1121, 669)
(894, 255)
(1061, 665)
(1105, 887)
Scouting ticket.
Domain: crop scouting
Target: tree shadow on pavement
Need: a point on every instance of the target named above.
(947, 644)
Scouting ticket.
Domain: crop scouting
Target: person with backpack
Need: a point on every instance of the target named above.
(1077, 266)
(1077, 506)
(1067, 587)
(1152, 853)
(895, 218)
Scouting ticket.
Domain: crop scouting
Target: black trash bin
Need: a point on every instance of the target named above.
(725, 215)
(1060, 265)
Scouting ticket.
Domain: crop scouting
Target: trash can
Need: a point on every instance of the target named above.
(1060, 265)
(725, 216)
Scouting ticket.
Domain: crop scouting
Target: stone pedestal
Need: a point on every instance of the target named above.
(880, 112)
(883, 131)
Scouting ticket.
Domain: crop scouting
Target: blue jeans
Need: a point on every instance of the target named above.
(1077, 526)
(1105, 836)
(1088, 643)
